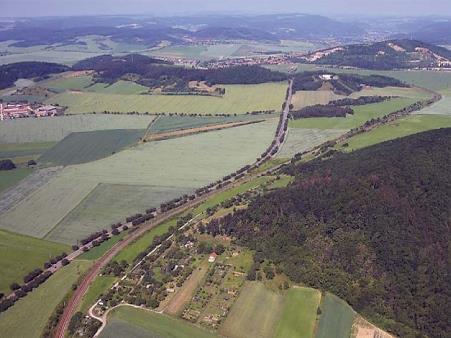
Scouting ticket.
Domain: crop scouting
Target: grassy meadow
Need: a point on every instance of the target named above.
(29, 316)
(9, 178)
(97, 288)
(336, 318)
(82, 147)
(21, 254)
(238, 99)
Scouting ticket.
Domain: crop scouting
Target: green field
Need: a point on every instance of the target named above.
(301, 139)
(82, 147)
(169, 123)
(407, 126)
(29, 316)
(21, 254)
(60, 84)
(9, 178)
(110, 203)
(131, 322)
(21, 150)
(98, 287)
(119, 87)
(238, 99)
(304, 98)
(360, 116)
(256, 312)
(299, 313)
(336, 318)
(182, 163)
(57, 128)
(442, 107)
(100, 250)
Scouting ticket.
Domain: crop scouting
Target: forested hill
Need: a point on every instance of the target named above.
(371, 226)
(391, 54)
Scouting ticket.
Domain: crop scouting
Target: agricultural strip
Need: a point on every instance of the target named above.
(29, 316)
(132, 322)
(119, 87)
(67, 83)
(9, 178)
(403, 127)
(238, 99)
(360, 116)
(442, 107)
(336, 318)
(13, 150)
(110, 203)
(82, 147)
(304, 98)
(21, 254)
(255, 313)
(56, 128)
(299, 313)
(301, 139)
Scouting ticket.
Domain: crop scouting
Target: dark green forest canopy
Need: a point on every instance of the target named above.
(371, 226)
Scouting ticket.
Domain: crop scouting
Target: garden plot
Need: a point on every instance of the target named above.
(301, 139)
(56, 128)
(237, 99)
(184, 164)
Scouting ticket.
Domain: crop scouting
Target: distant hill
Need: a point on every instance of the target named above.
(390, 54)
(371, 226)
(232, 33)
(437, 33)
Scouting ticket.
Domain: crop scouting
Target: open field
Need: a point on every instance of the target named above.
(336, 318)
(255, 313)
(184, 164)
(29, 316)
(9, 178)
(304, 98)
(100, 250)
(169, 123)
(98, 287)
(442, 107)
(67, 83)
(130, 322)
(301, 139)
(21, 254)
(407, 126)
(360, 116)
(299, 313)
(414, 93)
(22, 150)
(110, 203)
(56, 128)
(82, 147)
(237, 99)
(363, 329)
(119, 87)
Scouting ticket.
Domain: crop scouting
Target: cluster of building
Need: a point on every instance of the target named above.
(17, 110)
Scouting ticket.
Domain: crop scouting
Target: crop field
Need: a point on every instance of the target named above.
(184, 164)
(360, 116)
(29, 316)
(56, 128)
(304, 98)
(256, 312)
(169, 123)
(22, 150)
(119, 87)
(407, 126)
(9, 178)
(110, 203)
(238, 99)
(302, 139)
(414, 93)
(82, 147)
(299, 313)
(336, 318)
(442, 107)
(21, 254)
(128, 322)
(68, 83)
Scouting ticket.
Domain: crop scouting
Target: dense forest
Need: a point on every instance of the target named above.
(371, 226)
(321, 110)
(343, 84)
(10, 73)
(156, 73)
(360, 101)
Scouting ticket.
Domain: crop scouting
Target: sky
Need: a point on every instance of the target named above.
(22, 8)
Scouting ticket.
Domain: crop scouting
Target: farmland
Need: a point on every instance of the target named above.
(442, 107)
(17, 151)
(407, 126)
(304, 98)
(237, 99)
(9, 178)
(299, 313)
(82, 147)
(255, 313)
(57, 128)
(132, 322)
(119, 87)
(67, 83)
(302, 139)
(360, 116)
(33, 311)
(177, 164)
(336, 318)
(21, 254)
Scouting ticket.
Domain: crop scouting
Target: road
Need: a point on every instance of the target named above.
(78, 294)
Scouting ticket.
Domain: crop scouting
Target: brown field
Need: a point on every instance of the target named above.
(363, 329)
(184, 294)
(186, 132)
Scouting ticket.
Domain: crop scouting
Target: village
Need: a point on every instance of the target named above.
(17, 110)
